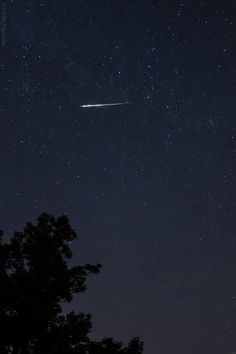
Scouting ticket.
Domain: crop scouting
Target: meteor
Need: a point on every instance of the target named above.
(103, 104)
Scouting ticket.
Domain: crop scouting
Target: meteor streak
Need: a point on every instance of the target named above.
(103, 104)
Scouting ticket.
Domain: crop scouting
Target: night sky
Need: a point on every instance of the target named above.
(150, 186)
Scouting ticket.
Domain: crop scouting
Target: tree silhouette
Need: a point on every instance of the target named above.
(35, 281)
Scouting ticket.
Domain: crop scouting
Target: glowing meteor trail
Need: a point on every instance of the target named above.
(103, 104)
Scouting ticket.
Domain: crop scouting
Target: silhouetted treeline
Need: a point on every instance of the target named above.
(35, 280)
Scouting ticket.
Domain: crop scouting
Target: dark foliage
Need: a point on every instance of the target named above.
(35, 281)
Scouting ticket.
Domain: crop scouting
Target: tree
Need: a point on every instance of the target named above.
(35, 281)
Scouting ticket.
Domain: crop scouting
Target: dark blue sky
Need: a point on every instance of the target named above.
(149, 187)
